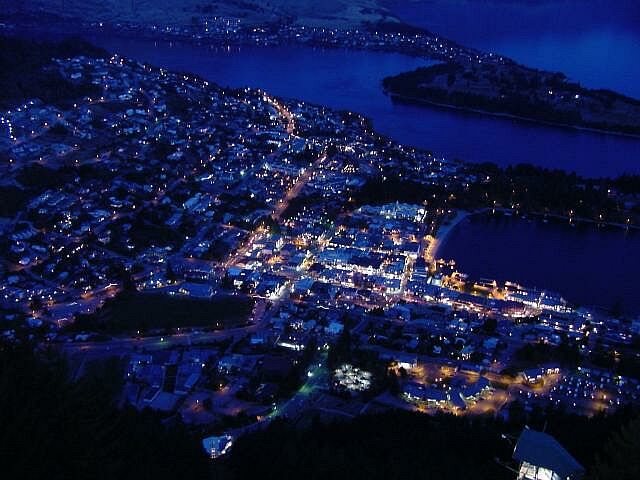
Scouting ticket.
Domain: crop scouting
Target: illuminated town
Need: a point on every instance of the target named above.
(250, 259)
(181, 189)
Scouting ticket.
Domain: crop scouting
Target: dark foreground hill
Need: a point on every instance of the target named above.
(57, 429)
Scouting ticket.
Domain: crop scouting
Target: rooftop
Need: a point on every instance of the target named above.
(543, 450)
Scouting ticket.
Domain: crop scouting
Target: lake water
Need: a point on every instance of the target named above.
(351, 80)
(586, 264)
(596, 42)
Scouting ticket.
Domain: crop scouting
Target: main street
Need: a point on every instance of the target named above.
(277, 213)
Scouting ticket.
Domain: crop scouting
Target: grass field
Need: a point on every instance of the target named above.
(142, 311)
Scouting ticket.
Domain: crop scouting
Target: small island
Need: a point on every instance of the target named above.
(514, 90)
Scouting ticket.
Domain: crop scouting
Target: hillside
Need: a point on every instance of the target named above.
(335, 13)
(30, 77)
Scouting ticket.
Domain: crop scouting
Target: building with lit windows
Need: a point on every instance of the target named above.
(541, 457)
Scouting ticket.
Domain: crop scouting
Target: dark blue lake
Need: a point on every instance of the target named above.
(596, 42)
(351, 80)
(586, 264)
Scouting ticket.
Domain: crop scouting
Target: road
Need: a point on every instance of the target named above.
(317, 378)
(283, 112)
(125, 345)
(297, 187)
(277, 213)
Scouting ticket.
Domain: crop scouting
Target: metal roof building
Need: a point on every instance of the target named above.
(541, 457)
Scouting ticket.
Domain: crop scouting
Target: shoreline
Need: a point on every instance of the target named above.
(444, 230)
(427, 56)
(424, 101)
(489, 214)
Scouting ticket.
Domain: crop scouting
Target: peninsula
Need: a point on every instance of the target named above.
(507, 88)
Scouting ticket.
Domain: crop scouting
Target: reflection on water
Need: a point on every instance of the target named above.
(586, 264)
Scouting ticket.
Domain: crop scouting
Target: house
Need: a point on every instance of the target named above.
(259, 338)
(334, 328)
(232, 363)
(196, 290)
(541, 457)
(217, 446)
(303, 287)
(472, 393)
(165, 401)
(430, 395)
